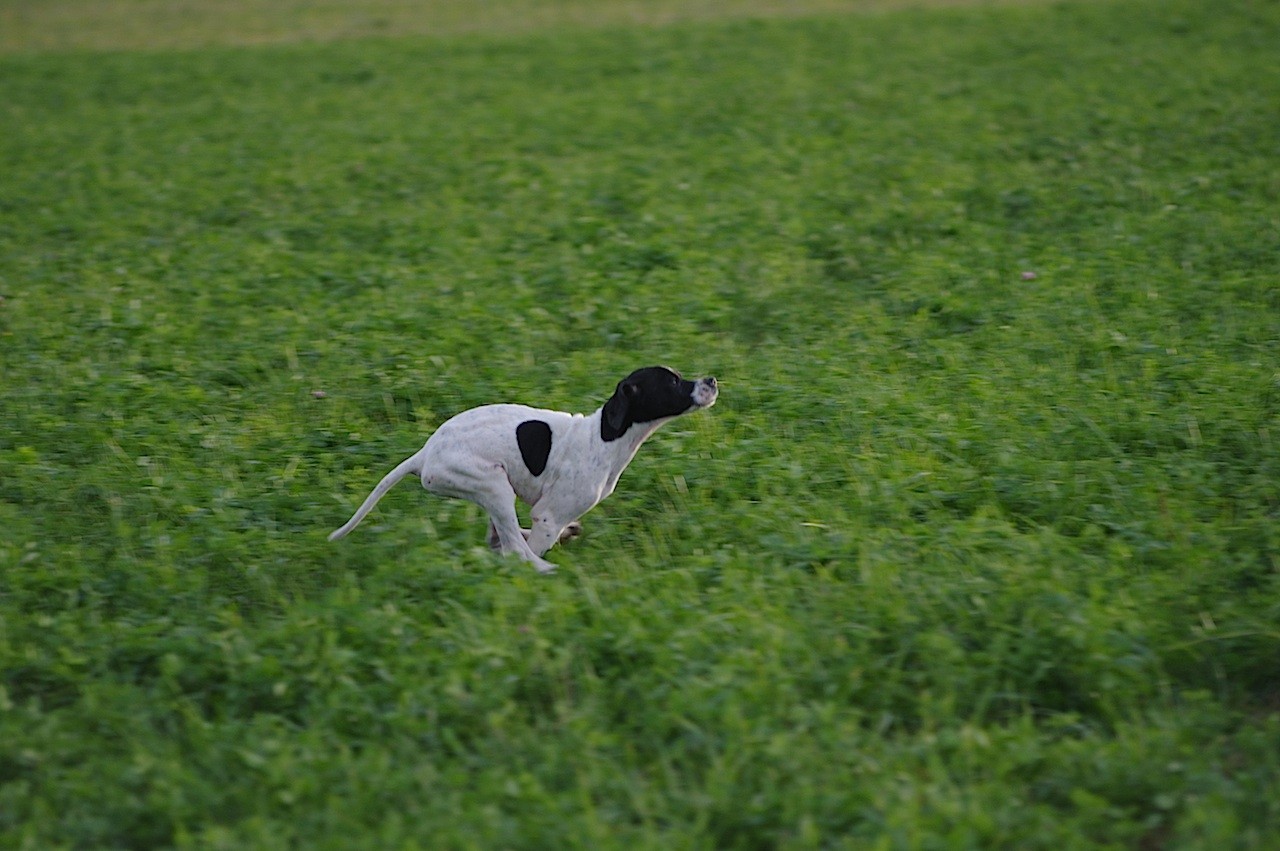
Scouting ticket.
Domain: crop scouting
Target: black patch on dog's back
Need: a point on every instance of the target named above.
(534, 439)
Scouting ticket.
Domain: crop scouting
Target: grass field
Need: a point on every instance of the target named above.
(27, 26)
(979, 549)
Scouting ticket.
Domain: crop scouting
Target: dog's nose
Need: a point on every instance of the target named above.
(710, 381)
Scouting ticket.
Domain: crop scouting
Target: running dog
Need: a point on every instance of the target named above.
(561, 464)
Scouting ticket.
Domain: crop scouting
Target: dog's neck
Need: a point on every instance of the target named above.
(623, 444)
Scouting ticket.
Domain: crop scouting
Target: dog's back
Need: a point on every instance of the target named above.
(490, 436)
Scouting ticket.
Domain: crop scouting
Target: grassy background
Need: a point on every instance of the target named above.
(27, 27)
(979, 548)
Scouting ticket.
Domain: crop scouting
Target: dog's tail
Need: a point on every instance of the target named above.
(408, 466)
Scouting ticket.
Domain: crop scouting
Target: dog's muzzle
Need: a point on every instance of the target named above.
(705, 392)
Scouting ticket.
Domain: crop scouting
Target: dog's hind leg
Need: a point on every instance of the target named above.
(498, 498)
(570, 532)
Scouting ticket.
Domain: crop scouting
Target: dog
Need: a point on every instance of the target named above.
(561, 464)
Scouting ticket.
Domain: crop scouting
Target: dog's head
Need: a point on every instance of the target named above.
(651, 395)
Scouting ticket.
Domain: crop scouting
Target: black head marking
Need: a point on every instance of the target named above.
(534, 440)
(648, 394)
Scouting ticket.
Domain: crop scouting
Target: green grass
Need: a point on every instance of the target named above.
(979, 549)
(27, 27)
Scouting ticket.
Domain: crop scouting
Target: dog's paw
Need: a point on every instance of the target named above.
(573, 530)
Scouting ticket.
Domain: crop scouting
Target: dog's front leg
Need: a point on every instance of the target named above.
(544, 533)
(511, 539)
(552, 523)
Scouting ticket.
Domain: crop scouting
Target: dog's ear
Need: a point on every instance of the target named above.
(617, 411)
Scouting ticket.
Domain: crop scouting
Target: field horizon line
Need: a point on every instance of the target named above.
(65, 26)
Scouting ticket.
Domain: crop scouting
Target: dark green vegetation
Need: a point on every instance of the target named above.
(979, 549)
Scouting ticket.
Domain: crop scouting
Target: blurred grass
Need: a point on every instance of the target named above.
(166, 24)
(978, 549)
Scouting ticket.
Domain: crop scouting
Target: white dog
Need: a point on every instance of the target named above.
(560, 464)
